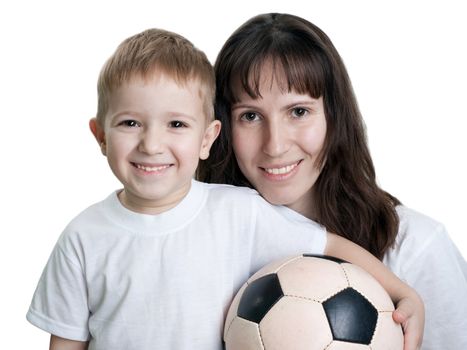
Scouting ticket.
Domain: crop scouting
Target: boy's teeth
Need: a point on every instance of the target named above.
(147, 168)
(279, 171)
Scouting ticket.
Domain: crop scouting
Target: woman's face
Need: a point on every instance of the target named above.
(277, 139)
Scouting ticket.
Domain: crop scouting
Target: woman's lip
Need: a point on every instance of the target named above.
(280, 169)
(280, 172)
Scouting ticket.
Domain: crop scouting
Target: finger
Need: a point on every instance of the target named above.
(411, 342)
(399, 316)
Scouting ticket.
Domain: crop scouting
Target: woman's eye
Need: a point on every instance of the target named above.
(177, 124)
(249, 116)
(299, 112)
(130, 123)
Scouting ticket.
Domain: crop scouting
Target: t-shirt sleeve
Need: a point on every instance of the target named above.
(426, 258)
(59, 305)
(439, 273)
(280, 232)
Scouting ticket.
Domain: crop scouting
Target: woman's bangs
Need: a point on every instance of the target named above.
(246, 76)
(294, 71)
(302, 71)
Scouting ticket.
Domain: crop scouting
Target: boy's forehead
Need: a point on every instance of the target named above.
(158, 75)
(189, 84)
(140, 91)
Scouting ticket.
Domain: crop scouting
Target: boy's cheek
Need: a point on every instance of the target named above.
(104, 148)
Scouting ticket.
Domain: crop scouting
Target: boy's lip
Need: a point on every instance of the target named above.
(151, 167)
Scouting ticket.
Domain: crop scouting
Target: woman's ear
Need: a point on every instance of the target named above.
(210, 135)
(98, 132)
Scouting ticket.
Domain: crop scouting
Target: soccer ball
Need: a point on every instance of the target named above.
(312, 302)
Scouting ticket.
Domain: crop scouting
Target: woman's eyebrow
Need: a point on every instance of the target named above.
(308, 102)
(301, 103)
(242, 105)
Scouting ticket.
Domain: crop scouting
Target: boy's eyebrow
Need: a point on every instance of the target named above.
(193, 118)
(189, 116)
(123, 112)
(170, 113)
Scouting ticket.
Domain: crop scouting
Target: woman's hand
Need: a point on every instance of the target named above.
(410, 314)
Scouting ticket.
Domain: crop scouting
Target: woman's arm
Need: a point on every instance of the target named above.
(410, 312)
(57, 343)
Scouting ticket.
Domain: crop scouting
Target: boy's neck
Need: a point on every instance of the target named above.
(151, 207)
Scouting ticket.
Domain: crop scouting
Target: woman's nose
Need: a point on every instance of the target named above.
(276, 140)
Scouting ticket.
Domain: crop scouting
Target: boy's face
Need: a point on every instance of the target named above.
(154, 133)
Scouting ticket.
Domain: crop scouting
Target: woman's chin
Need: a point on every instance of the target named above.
(279, 199)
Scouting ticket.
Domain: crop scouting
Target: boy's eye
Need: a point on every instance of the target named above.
(177, 124)
(130, 123)
(299, 112)
(249, 116)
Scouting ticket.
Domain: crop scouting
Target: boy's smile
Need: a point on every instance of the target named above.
(150, 168)
(155, 131)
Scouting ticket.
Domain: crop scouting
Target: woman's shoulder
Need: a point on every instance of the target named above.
(415, 224)
(425, 257)
(417, 230)
(419, 238)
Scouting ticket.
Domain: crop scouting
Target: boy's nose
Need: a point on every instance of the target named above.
(152, 142)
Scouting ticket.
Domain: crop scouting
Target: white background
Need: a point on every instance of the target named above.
(407, 61)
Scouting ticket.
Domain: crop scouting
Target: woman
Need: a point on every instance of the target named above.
(293, 131)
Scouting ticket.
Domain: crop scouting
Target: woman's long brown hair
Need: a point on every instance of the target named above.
(347, 198)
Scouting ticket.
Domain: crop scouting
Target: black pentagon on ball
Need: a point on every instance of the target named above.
(351, 316)
(259, 297)
(326, 257)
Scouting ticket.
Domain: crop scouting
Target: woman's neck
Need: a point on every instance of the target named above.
(305, 206)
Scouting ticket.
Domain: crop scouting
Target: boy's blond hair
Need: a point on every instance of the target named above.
(156, 51)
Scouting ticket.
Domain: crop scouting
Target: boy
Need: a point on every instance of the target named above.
(155, 265)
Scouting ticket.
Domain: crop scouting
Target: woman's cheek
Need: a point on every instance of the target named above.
(312, 138)
(242, 141)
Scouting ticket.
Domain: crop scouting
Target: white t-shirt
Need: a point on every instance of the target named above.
(426, 259)
(126, 281)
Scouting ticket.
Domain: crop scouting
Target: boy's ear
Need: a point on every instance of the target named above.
(98, 132)
(210, 135)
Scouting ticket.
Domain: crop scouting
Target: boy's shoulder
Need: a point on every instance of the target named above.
(233, 194)
(249, 199)
(94, 213)
(86, 227)
(227, 189)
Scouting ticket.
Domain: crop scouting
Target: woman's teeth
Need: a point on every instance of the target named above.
(280, 171)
